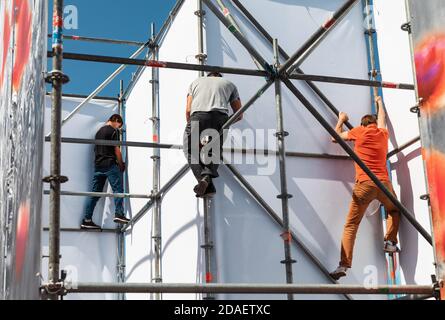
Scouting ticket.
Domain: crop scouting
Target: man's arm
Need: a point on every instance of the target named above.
(342, 118)
(236, 105)
(120, 161)
(188, 109)
(381, 114)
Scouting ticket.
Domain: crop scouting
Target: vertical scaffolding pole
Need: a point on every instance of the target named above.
(284, 196)
(375, 75)
(208, 245)
(55, 178)
(201, 56)
(121, 271)
(156, 218)
(207, 202)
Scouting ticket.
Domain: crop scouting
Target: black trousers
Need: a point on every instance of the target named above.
(193, 142)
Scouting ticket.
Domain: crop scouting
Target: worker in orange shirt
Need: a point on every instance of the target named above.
(371, 145)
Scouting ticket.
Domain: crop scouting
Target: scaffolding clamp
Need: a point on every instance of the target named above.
(285, 196)
(57, 288)
(416, 108)
(425, 197)
(373, 73)
(286, 236)
(55, 75)
(281, 134)
(200, 13)
(60, 179)
(201, 56)
(406, 27)
(370, 31)
(437, 285)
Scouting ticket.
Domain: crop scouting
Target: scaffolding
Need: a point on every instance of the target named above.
(276, 73)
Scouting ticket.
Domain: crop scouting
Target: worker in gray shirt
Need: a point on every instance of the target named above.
(208, 102)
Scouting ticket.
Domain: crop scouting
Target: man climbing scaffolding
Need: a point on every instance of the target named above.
(371, 145)
(108, 165)
(207, 111)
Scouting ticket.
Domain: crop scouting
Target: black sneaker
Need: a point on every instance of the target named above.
(121, 220)
(89, 225)
(201, 187)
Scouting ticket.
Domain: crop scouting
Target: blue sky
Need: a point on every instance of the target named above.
(113, 19)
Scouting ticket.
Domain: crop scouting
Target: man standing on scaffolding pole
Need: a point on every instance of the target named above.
(208, 102)
(371, 145)
(109, 165)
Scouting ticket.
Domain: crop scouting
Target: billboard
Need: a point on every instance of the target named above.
(22, 61)
(428, 33)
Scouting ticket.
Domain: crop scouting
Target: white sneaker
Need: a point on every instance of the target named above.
(339, 273)
(390, 247)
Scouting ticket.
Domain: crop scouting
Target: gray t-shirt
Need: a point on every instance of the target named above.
(212, 94)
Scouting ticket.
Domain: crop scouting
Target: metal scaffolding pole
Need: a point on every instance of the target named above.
(55, 179)
(101, 40)
(408, 215)
(201, 56)
(284, 196)
(156, 232)
(160, 64)
(102, 194)
(246, 288)
(279, 221)
(208, 245)
(121, 258)
(269, 38)
(403, 147)
(297, 59)
(70, 95)
(352, 82)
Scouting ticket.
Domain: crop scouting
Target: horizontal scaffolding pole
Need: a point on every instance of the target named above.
(262, 152)
(71, 95)
(102, 194)
(350, 81)
(74, 230)
(101, 40)
(403, 147)
(119, 143)
(160, 64)
(243, 288)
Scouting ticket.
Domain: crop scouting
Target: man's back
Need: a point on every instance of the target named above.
(371, 145)
(212, 94)
(105, 155)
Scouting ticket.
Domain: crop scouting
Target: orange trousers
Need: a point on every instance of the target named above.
(363, 194)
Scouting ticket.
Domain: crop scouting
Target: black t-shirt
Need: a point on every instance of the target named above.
(105, 155)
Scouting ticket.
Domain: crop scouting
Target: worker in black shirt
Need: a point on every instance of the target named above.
(108, 165)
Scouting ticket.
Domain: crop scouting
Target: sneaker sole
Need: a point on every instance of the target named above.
(337, 276)
(90, 228)
(121, 221)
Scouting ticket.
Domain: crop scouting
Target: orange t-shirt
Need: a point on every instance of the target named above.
(371, 145)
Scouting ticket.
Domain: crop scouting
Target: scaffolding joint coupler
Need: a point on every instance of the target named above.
(406, 27)
(425, 197)
(281, 134)
(200, 13)
(290, 261)
(437, 285)
(201, 56)
(55, 75)
(285, 196)
(370, 31)
(373, 73)
(60, 179)
(416, 108)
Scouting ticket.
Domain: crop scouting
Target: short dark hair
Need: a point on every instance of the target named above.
(214, 74)
(369, 119)
(116, 118)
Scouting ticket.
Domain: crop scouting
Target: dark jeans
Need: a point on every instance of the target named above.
(200, 121)
(114, 176)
